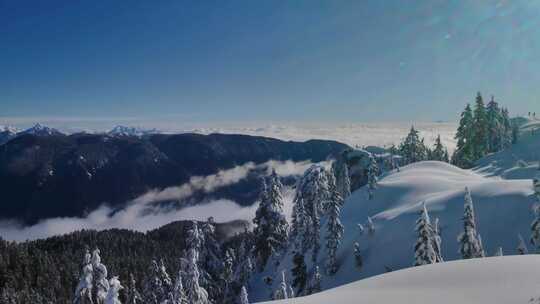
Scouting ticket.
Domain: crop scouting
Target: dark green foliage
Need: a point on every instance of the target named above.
(47, 271)
(299, 273)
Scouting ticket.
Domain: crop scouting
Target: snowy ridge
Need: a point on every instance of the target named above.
(40, 130)
(130, 131)
(508, 279)
(502, 207)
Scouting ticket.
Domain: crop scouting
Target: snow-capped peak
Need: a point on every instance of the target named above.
(130, 131)
(41, 130)
(8, 130)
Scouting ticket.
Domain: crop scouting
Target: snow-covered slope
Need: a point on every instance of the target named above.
(521, 160)
(503, 210)
(130, 131)
(40, 130)
(504, 280)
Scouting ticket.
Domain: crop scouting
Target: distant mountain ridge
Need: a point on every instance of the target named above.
(60, 175)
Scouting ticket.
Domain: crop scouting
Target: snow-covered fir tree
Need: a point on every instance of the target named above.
(439, 152)
(470, 245)
(480, 128)
(271, 227)
(464, 154)
(299, 273)
(358, 261)
(282, 292)
(195, 294)
(499, 252)
(164, 277)
(413, 148)
(424, 251)
(315, 282)
(370, 225)
(228, 272)
(113, 293)
(334, 232)
(495, 126)
(343, 180)
(535, 229)
(360, 229)
(437, 241)
(373, 172)
(312, 195)
(245, 266)
(101, 283)
(153, 291)
(522, 247)
(243, 298)
(83, 293)
(178, 295)
(210, 259)
(133, 296)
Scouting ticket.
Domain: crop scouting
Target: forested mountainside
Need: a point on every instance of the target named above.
(47, 271)
(56, 175)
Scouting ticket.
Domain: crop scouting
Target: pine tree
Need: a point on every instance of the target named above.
(271, 231)
(343, 181)
(507, 129)
(437, 241)
(243, 296)
(245, 268)
(358, 256)
(154, 292)
(373, 171)
(334, 231)
(464, 155)
(315, 282)
(164, 277)
(299, 273)
(370, 225)
(195, 294)
(522, 247)
(480, 127)
(100, 273)
(211, 259)
(439, 152)
(113, 291)
(413, 148)
(424, 252)
(499, 252)
(314, 190)
(470, 243)
(495, 126)
(178, 295)
(282, 291)
(133, 295)
(83, 293)
(535, 229)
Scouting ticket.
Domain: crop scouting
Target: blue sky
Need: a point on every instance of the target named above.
(266, 60)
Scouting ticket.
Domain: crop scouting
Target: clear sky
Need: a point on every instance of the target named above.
(267, 60)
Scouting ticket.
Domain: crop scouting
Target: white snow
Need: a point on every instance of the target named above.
(502, 208)
(504, 280)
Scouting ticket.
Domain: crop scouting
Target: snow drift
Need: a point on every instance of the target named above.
(502, 207)
(509, 279)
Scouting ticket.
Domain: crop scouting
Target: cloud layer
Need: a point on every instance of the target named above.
(141, 214)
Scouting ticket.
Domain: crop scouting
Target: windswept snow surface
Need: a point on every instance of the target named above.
(504, 280)
(521, 160)
(502, 208)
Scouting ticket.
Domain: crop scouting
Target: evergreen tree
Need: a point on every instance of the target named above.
(413, 148)
(282, 291)
(424, 252)
(164, 277)
(535, 229)
(464, 155)
(343, 181)
(358, 256)
(470, 245)
(114, 291)
(314, 191)
(480, 128)
(315, 282)
(101, 284)
(83, 293)
(299, 273)
(271, 231)
(495, 126)
(437, 241)
(499, 252)
(133, 295)
(370, 225)
(507, 129)
(439, 152)
(195, 294)
(178, 295)
(243, 296)
(373, 171)
(245, 268)
(154, 292)
(522, 247)
(211, 260)
(334, 231)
